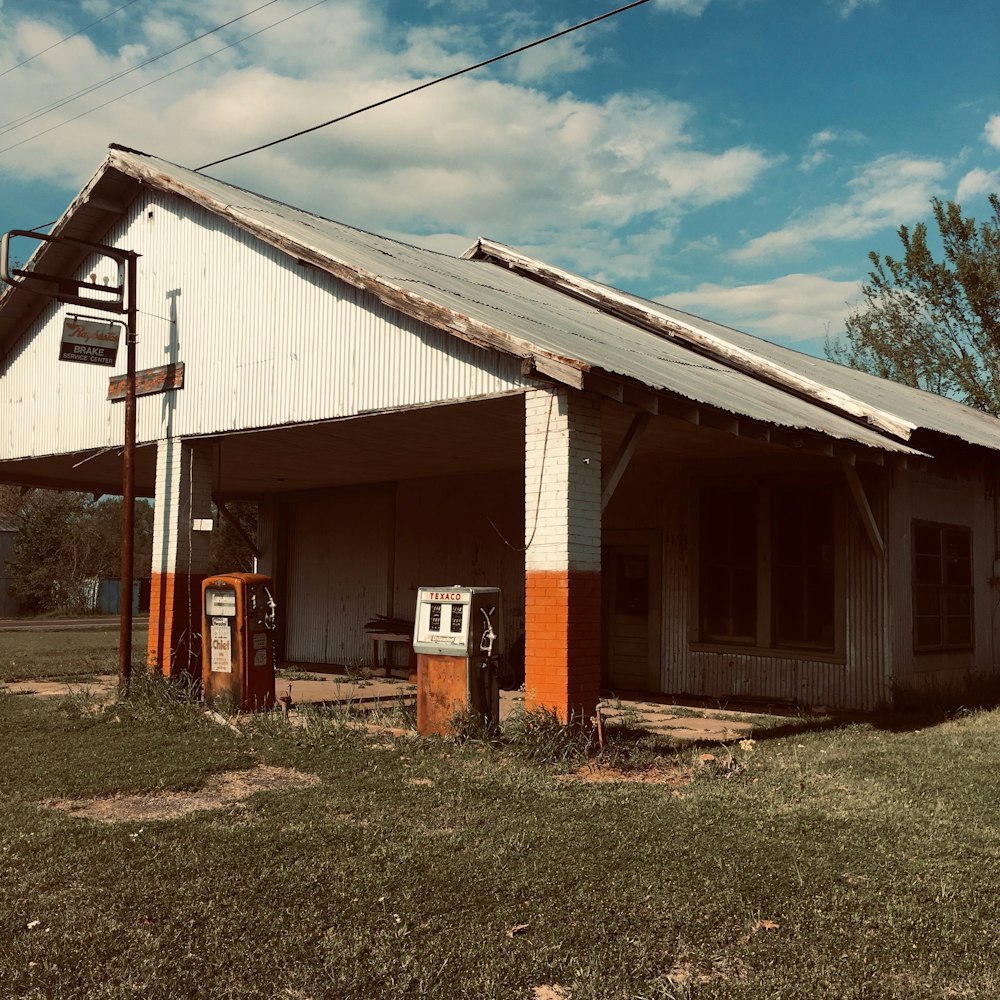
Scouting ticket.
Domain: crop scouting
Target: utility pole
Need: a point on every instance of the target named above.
(128, 483)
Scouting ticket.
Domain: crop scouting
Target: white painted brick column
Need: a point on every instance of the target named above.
(185, 474)
(562, 507)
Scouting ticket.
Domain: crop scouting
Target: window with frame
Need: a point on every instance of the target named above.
(942, 587)
(767, 567)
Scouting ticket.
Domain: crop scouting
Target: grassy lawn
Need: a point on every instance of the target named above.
(827, 860)
(72, 654)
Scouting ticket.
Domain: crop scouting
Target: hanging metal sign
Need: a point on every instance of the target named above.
(90, 341)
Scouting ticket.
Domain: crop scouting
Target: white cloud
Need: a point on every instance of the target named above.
(692, 7)
(847, 7)
(817, 152)
(992, 131)
(977, 182)
(886, 192)
(792, 309)
(473, 155)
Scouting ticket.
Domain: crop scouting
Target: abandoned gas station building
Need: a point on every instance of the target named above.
(668, 505)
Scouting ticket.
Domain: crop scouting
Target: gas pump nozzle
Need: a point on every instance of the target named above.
(489, 635)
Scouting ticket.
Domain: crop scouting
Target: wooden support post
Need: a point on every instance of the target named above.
(621, 460)
(863, 508)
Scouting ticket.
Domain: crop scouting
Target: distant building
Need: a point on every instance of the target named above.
(669, 505)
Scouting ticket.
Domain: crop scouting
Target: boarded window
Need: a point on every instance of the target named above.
(942, 587)
(767, 567)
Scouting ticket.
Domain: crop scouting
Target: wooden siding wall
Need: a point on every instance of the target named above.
(265, 341)
(362, 551)
(444, 536)
(968, 499)
(338, 571)
(662, 499)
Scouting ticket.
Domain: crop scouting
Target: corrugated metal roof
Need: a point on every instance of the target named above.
(521, 311)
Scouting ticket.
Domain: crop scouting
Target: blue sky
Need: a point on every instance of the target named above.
(735, 158)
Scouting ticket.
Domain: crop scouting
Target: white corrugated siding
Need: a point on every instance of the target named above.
(337, 573)
(265, 342)
(345, 545)
(445, 536)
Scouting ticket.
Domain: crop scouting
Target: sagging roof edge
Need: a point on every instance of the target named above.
(607, 299)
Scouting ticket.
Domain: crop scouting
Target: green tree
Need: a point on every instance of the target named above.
(229, 552)
(934, 324)
(65, 538)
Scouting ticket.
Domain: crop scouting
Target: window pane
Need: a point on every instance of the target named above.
(958, 558)
(802, 568)
(958, 631)
(727, 528)
(942, 587)
(928, 631)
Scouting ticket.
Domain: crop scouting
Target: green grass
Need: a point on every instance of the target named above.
(69, 654)
(874, 851)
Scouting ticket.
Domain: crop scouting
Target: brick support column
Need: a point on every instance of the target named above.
(185, 471)
(562, 508)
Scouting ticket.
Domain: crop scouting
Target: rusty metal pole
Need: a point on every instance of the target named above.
(128, 486)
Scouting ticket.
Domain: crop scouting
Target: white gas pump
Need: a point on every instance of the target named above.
(455, 637)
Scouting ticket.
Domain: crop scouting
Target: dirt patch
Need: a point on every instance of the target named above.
(553, 992)
(100, 687)
(218, 791)
(672, 775)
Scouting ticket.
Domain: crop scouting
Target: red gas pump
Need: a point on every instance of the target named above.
(238, 641)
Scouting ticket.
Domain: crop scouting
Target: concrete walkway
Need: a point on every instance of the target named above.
(334, 689)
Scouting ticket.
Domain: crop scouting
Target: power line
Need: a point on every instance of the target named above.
(39, 112)
(423, 86)
(49, 48)
(150, 83)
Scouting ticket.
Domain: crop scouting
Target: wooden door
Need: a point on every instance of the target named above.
(631, 618)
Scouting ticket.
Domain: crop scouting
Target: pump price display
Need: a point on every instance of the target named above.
(220, 602)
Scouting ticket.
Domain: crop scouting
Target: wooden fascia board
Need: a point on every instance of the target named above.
(609, 301)
(567, 370)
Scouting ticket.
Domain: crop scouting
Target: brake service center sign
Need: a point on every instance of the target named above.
(89, 341)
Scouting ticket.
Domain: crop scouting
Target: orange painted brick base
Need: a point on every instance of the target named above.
(562, 632)
(175, 624)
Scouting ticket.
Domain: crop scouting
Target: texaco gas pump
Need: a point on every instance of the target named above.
(455, 639)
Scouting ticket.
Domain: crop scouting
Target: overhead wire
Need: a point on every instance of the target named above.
(30, 116)
(150, 83)
(424, 86)
(55, 45)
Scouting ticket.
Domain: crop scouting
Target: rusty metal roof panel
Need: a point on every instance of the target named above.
(503, 303)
